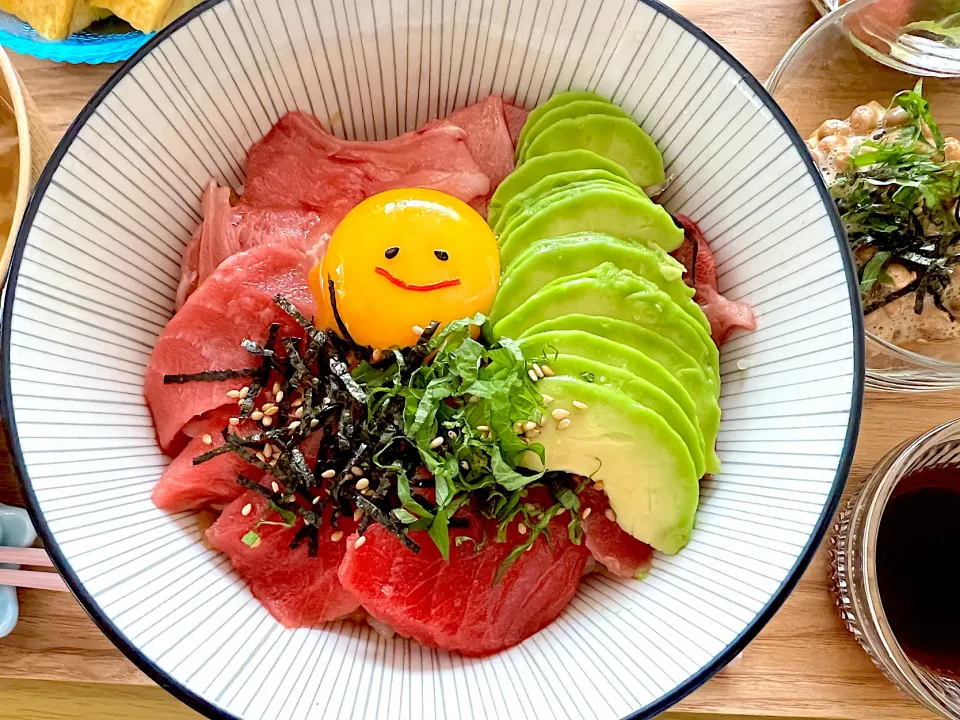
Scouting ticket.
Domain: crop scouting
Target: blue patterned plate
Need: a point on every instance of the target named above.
(110, 40)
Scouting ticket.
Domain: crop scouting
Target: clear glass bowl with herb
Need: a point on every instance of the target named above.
(911, 35)
(890, 153)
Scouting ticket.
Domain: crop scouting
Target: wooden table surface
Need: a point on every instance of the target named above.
(56, 664)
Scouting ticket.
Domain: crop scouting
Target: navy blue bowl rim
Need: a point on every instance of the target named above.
(205, 707)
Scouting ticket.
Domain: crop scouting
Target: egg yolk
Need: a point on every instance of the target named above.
(402, 259)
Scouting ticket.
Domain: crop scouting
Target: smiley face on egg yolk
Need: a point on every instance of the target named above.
(404, 258)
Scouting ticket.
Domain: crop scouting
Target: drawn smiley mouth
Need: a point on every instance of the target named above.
(418, 288)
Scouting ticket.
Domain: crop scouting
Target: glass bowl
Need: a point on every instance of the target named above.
(826, 76)
(915, 35)
(854, 577)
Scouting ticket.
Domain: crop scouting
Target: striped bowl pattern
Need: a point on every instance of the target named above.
(95, 273)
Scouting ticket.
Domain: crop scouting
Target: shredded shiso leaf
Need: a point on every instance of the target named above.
(432, 427)
(900, 199)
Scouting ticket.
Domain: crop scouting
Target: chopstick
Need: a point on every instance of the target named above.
(33, 579)
(25, 556)
(37, 557)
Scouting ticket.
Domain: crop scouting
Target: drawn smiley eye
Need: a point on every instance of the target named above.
(442, 255)
(391, 252)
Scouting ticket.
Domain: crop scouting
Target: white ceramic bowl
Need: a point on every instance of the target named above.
(95, 272)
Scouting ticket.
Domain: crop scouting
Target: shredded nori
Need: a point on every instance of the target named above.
(334, 404)
(209, 376)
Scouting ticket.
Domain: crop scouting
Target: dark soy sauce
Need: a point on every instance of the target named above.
(918, 567)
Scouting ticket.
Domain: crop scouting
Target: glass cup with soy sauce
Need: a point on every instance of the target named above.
(896, 567)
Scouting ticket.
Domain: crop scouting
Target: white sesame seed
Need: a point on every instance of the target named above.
(547, 399)
(270, 411)
(316, 500)
(234, 421)
(256, 415)
(363, 484)
(474, 399)
(560, 512)
(294, 425)
(337, 536)
(314, 422)
(256, 543)
(529, 434)
(261, 457)
(276, 388)
(297, 403)
(327, 474)
(547, 371)
(522, 529)
(360, 541)
(273, 463)
(538, 370)
(529, 425)
(533, 375)
(436, 442)
(233, 394)
(585, 514)
(518, 427)
(542, 421)
(268, 450)
(279, 396)
(451, 434)
(357, 515)
(579, 405)
(563, 424)
(298, 413)
(243, 392)
(267, 421)
(357, 470)
(483, 428)
(376, 356)
(530, 507)
(417, 330)
(465, 465)
(274, 486)
(610, 515)
(247, 509)
(560, 414)
(207, 440)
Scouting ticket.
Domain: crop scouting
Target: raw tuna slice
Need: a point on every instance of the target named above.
(618, 551)
(185, 486)
(488, 137)
(724, 315)
(455, 605)
(227, 230)
(236, 302)
(516, 118)
(298, 590)
(300, 166)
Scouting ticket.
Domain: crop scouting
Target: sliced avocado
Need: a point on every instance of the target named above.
(538, 168)
(505, 226)
(597, 209)
(619, 139)
(554, 101)
(646, 469)
(571, 109)
(608, 291)
(641, 389)
(547, 260)
(553, 183)
(638, 351)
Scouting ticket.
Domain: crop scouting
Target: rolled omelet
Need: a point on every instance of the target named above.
(55, 19)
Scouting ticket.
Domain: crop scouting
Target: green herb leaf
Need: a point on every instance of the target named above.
(405, 517)
(250, 538)
(871, 273)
